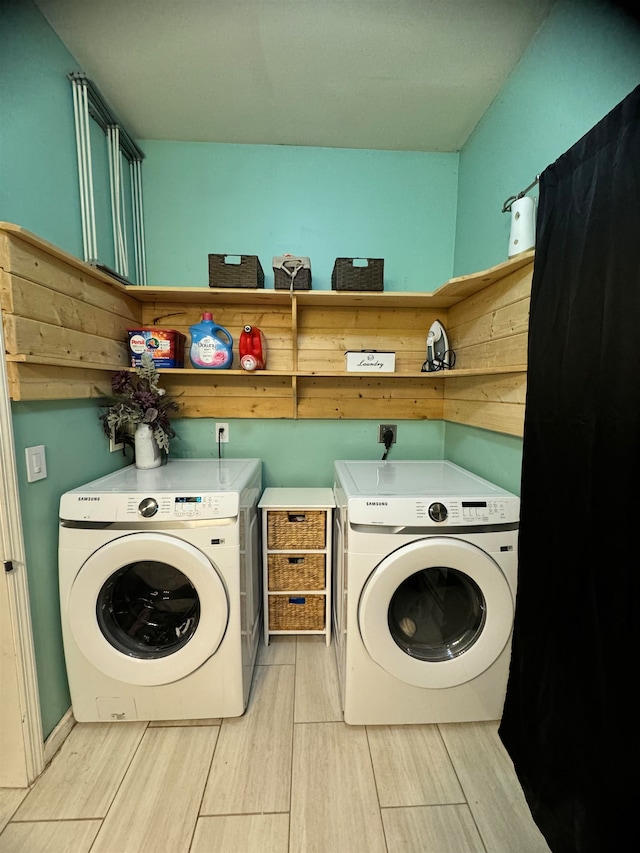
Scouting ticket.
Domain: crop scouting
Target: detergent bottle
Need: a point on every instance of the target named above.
(253, 349)
(211, 345)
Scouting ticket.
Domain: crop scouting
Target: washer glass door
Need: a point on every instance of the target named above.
(148, 608)
(436, 613)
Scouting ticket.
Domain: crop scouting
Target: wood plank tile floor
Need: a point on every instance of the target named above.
(287, 777)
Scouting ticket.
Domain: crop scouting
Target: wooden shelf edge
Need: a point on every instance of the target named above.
(23, 358)
(256, 374)
(343, 374)
(307, 298)
(191, 295)
(60, 254)
(435, 374)
(466, 285)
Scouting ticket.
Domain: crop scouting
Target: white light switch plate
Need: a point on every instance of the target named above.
(36, 463)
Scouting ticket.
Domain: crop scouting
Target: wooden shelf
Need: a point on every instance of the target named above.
(258, 297)
(65, 328)
(446, 296)
(220, 374)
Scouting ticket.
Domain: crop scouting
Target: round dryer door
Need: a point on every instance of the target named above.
(436, 613)
(148, 609)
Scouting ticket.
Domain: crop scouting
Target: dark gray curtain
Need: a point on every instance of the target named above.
(571, 717)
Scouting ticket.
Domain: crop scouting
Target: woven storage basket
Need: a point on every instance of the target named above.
(295, 571)
(298, 272)
(289, 530)
(347, 276)
(235, 271)
(301, 280)
(296, 612)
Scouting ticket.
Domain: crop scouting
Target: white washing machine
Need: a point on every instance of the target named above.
(425, 568)
(160, 590)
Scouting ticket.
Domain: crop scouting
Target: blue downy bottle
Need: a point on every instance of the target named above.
(211, 345)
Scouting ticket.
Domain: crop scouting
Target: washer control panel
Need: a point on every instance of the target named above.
(141, 508)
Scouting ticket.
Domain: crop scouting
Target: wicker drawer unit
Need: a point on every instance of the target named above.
(297, 529)
(295, 571)
(296, 613)
(297, 561)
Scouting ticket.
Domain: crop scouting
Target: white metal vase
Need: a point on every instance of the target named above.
(148, 454)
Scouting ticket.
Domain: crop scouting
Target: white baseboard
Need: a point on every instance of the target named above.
(58, 736)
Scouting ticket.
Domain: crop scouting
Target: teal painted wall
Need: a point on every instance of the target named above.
(489, 454)
(38, 166)
(39, 191)
(584, 60)
(38, 163)
(74, 447)
(323, 203)
(301, 452)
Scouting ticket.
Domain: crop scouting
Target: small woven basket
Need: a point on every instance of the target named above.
(295, 571)
(291, 272)
(288, 530)
(301, 280)
(235, 271)
(296, 612)
(347, 275)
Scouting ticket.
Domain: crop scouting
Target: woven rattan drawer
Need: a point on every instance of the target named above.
(296, 612)
(296, 530)
(296, 571)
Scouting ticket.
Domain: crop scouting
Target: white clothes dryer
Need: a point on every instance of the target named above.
(160, 590)
(425, 571)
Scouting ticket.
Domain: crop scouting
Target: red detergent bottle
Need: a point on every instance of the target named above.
(253, 349)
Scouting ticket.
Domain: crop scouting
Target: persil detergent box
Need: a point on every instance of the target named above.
(165, 346)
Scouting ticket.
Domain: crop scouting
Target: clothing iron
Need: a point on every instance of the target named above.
(439, 356)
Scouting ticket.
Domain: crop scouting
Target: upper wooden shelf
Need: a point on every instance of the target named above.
(449, 294)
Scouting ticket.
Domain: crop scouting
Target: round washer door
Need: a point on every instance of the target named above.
(436, 613)
(148, 609)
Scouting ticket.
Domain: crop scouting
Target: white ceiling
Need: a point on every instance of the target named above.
(412, 75)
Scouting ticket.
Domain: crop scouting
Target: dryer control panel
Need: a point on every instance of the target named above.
(433, 512)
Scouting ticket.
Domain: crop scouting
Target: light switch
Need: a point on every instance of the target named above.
(36, 463)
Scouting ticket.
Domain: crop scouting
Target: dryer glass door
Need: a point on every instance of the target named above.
(436, 613)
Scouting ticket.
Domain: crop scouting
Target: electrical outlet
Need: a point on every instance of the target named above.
(222, 433)
(382, 428)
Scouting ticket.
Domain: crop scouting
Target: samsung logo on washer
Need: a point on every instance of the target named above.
(377, 503)
(81, 498)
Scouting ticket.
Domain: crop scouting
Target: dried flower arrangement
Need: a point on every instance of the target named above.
(138, 399)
